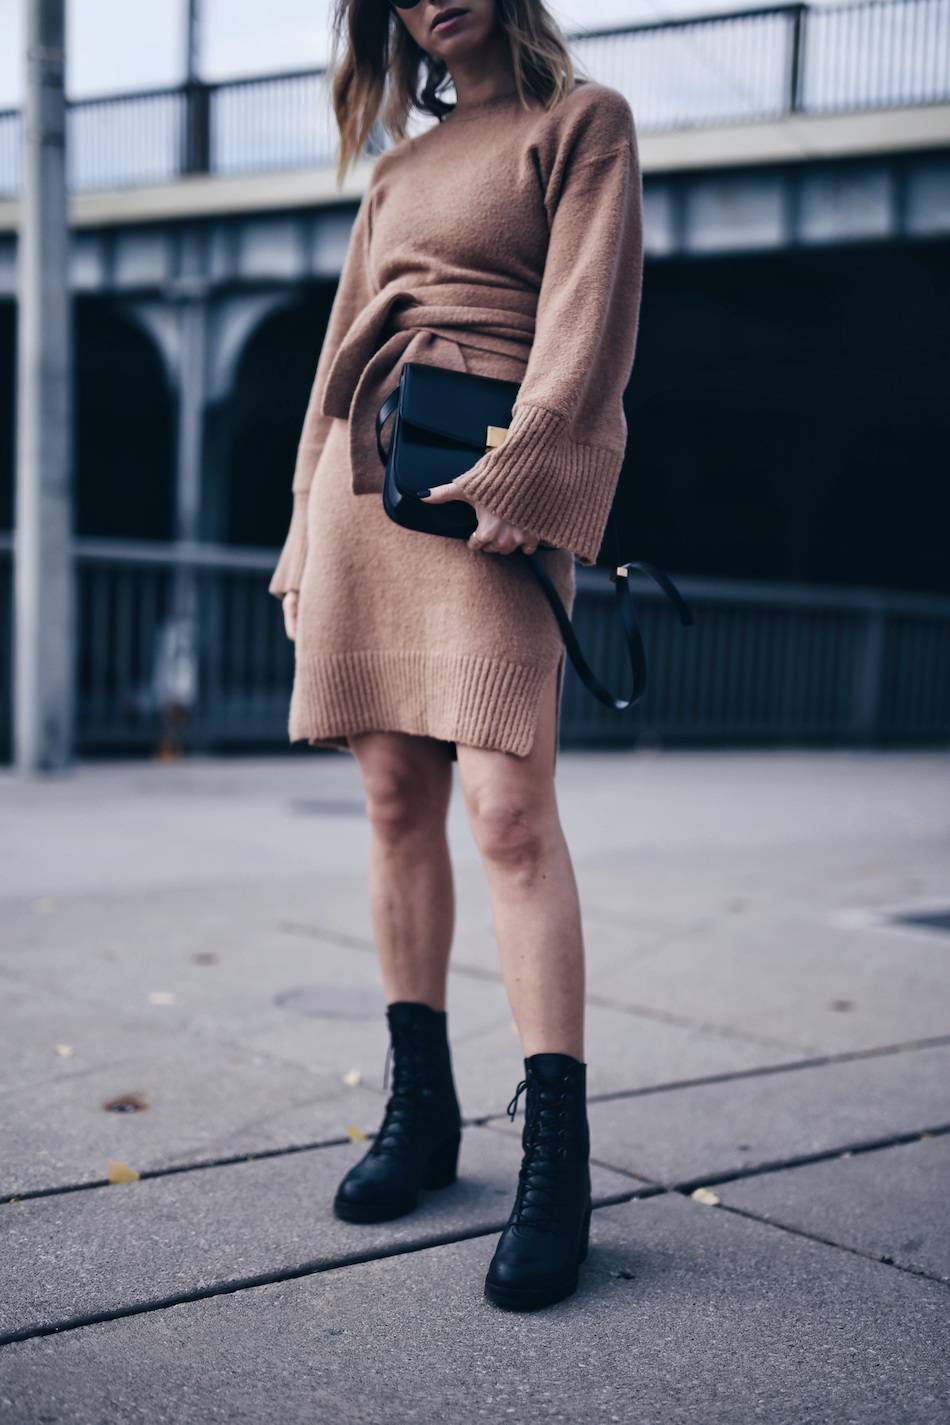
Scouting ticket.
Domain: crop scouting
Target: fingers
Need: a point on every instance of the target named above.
(496, 536)
(492, 535)
(290, 604)
(440, 494)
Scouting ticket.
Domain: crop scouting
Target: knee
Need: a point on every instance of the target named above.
(509, 832)
(397, 803)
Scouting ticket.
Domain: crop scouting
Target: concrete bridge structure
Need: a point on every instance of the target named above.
(788, 411)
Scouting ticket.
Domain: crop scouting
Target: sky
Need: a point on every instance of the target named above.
(114, 45)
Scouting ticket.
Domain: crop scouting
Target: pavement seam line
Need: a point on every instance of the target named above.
(480, 972)
(728, 1076)
(491, 1119)
(178, 1168)
(304, 1269)
(686, 1186)
(649, 1189)
(808, 1236)
(804, 1160)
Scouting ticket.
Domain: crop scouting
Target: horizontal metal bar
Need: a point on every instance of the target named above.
(719, 19)
(701, 588)
(184, 554)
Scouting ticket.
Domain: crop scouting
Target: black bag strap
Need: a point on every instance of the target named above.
(623, 603)
(382, 416)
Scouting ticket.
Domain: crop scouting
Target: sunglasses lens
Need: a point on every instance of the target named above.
(405, 4)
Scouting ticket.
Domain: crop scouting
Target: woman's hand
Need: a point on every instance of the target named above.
(491, 535)
(289, 604)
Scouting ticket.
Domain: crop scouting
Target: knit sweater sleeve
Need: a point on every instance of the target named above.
(353, 291)
(556, 471)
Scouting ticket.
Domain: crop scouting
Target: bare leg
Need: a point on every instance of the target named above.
(514, 817)
(408, 783)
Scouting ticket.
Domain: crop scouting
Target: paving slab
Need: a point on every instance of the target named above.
(711, 1129)
(791, 976)
(891, 1204)
(111, 1248)
(206, 1098)
(685, 1313)
(108, 827)
(625, 1051)
(200, 962)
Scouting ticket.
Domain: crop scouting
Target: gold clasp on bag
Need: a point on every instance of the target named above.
(494, 435)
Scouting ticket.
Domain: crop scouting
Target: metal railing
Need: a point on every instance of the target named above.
(744, 66)
(764, 663)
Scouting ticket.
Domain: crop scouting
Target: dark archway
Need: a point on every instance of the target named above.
(788, 415)
(258, 430)
(125, 429)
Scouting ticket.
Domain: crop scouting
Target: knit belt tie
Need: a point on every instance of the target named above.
(396, 327)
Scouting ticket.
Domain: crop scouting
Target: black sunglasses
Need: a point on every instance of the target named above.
(404, 4)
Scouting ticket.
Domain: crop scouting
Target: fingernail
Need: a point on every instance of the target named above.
(421, 494)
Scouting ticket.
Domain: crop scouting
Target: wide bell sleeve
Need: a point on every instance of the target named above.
(353, 292)
(556, 471)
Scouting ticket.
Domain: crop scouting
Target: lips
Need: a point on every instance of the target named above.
(447, 15)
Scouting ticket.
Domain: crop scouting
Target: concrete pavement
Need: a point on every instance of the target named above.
(190, 988)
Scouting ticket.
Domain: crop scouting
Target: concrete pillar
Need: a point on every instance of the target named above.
(44, 621)
(179, 652)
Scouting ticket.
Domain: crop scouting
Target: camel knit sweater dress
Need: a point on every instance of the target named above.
(506, 242)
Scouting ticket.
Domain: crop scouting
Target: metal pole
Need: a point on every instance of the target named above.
(196, 157)
(44, 628)
(192, 42)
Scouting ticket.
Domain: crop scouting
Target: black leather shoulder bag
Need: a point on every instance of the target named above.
(444, 420)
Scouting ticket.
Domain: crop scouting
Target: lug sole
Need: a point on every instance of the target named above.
(372, 1211)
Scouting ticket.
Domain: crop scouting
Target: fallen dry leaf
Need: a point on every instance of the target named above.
(126, 1103)
(119, 1172)
(355, 1135)
(65, 1051)
(706, 1196)
(352, 1077)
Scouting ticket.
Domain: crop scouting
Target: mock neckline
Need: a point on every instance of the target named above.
(477, 106)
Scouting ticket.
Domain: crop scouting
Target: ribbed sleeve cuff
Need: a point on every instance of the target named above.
(541, 480)
(289, 569)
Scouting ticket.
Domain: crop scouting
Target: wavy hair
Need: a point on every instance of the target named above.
(380, 76)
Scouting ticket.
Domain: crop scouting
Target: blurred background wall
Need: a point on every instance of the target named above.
(788, 413)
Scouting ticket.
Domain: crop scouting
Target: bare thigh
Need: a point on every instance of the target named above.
(522, 785)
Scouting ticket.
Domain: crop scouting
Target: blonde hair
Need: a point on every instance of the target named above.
(383, 76)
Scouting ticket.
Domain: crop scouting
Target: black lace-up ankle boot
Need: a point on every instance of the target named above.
(545, 1239)
(418, 1141)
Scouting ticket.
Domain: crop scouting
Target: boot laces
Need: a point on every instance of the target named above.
(538, 1199)
(413, 1097)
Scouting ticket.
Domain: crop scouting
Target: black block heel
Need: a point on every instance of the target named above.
(442, 1167)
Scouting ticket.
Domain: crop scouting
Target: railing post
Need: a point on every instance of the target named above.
(197, 130)
(796, 59)
(869, 675)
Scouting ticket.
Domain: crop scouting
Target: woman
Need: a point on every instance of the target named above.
(504, 240)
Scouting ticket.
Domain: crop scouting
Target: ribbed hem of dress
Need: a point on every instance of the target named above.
(482, 702)
(289, 570)
(542, 480)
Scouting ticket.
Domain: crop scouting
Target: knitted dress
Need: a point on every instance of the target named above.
(507, 242)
